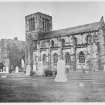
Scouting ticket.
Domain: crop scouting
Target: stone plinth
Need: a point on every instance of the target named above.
(16, 69)
(61, 75)
(28, 69)
(7, 69)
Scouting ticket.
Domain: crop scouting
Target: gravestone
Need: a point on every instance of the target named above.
(104, 67)
(61, 75)
(16, 69)
(22, 64)
(28, 70)
(7, 69)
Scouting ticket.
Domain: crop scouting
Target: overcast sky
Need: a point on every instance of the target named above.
(65, 14)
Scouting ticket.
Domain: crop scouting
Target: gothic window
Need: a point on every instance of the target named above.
(67, 58)
(63, 42)
(95, 38)
(44, 58)
(35, 58)
(34, 45)
(75, 40)
(89, 39)
(55, 58)
(31, 24)
(81, 57)
(52, 43)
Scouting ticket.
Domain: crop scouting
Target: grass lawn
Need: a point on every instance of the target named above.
(41, 89)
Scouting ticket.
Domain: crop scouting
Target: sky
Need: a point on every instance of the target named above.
(64, 14)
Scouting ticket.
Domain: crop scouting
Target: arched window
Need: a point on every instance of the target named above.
(63, 42)
(52, 43)
(75, 40)
(81, 57)
(67, 58)
(44, 58)
(89, 39)
(55, 58)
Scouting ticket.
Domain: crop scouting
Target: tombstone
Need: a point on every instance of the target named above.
(6, 69)
(34, 67)
(61, 75)
(104, 67)
(22, 63)
(28, 70)
(16, 69)
(40, 68)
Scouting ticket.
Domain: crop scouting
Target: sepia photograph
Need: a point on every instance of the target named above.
(52, 51)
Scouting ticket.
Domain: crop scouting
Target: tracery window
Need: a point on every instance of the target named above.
(44, 58)
(55, 58)
(75, 40)
(63, 42)
(81, 57)
(89, 39)
(52, 43)
(67, 58)
(31, 24)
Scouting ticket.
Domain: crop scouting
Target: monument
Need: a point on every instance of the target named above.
(22, 64)
(16, 69)
(28, 68)
(61, 75)
(7, 69)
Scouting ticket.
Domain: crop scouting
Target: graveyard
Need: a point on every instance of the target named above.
(80, 87)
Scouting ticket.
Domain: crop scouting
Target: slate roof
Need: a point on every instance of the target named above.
(70, 31)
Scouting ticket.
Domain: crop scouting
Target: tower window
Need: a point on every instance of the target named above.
(31, 24)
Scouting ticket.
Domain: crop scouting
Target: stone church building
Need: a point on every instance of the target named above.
(81, 47)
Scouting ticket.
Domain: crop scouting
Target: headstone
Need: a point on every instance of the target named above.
(61, 75)
(34, 67)
(16, 69)
(7, 69)
(22, 63)
(40, 68)
(104, 67)
(81, 84)
(28, 69)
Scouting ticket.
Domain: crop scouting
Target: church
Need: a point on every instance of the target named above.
(81, 47)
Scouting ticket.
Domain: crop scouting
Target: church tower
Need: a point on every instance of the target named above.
(35, 24)
(38, 22)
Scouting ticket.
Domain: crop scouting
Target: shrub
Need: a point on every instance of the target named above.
(32, 73)
(48, 73)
